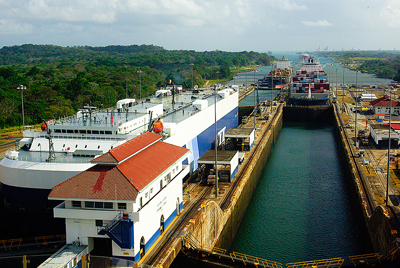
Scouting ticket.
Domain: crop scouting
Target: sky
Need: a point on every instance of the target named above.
(201, 25)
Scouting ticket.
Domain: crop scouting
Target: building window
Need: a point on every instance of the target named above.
(140, 202)
(99, 222)
(89, 204)
(168, 178)
(108, 205)
(76, 204)
(151, 190)
(122, 206)
(161, 184)
(146, 194)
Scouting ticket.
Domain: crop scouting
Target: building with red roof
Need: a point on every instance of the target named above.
(129, 197)
(383, 104)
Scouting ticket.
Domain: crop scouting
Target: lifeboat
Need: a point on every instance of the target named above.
(158, 126)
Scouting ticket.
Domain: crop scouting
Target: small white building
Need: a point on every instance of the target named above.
(125, 202)
(380, 135)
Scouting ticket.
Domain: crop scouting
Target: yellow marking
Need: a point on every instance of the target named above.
(155, 243)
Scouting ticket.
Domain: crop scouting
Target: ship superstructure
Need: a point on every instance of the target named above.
(280, 74)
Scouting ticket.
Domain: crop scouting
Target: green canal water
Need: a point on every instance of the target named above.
(304, 207)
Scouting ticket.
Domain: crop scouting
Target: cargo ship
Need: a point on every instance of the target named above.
(65, 147)
(279, 75)
(310, 85)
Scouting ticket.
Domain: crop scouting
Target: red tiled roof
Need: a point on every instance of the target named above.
(105, 158)
(134, 145)
(150, 163)
(98, 182)
(122, 182)
(395, 126)
(384, 102)
(128, 148)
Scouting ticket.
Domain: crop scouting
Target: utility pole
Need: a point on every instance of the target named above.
(22, 87)
(216, 141)
(140, 72)
(388, 162)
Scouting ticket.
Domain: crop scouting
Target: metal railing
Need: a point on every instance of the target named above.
(255, 260)
(333, 262)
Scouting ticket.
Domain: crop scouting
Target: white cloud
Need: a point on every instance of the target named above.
(286, 5)
(14, 27)
(70, 11)
(390, 15)
(322, 23)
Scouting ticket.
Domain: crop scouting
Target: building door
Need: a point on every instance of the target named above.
(162, 224)
(177, 207)
(102, 247)
(142, 247)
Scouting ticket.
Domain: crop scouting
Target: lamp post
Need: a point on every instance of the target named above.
(355, 123)
(140, 72)
(192, 74)
(343, 90)
(216, 140)
(22, 87)
(336, 83)
(388, 161)
(254, 92)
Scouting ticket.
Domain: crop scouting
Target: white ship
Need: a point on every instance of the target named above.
(28, 174)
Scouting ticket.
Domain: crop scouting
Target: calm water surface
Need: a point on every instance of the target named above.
(303, 207)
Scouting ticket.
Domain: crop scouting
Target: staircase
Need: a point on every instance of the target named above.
(120, 230)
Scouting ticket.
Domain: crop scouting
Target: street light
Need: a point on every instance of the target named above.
(22, 87)
(140, 72)
(192, 74)
(355, 123)
(216, 139)
(388, 161)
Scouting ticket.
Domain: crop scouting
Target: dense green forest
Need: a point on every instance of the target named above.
(60, 80)
(384, 64)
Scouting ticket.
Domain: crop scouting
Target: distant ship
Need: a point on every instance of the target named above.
(279, 75)
(303, 56)
(310, 85)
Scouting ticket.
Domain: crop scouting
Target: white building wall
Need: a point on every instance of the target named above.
(164, 203)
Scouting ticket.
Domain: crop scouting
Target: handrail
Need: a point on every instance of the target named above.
(319, 263)
(257, 261)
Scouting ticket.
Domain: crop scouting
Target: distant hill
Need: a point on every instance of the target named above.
(384, 64)
(60, 80)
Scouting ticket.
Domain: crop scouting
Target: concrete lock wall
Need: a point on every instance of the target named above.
(377, 223)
